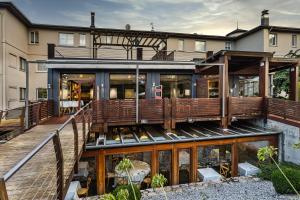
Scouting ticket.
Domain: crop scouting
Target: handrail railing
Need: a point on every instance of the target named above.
(62, 185)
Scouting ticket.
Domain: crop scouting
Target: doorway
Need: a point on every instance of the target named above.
(76, 90)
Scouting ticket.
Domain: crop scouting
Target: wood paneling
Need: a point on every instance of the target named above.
(245, 107)
(284, 108)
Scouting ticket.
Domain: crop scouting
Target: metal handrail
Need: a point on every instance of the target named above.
(21, 163)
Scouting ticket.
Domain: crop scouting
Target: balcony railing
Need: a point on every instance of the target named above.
(284, 108)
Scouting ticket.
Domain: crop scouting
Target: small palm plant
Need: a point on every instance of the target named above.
(125, 165)
(158, 181)
(269, 152)
(123, 194)
(108, 197)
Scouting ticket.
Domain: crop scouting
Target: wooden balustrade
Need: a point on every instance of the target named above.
(284, 108)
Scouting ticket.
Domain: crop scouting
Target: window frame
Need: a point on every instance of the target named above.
(36, 37)
(294, 45)
(276, 40)
(84, 35)
(41, 71)
(21, 90)
(178, 42)
(67, 45)
(22, 60)
(37, 94)
(230, 45)
(204, 50)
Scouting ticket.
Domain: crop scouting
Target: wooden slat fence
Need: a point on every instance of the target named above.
(284, 108)
(246, 107)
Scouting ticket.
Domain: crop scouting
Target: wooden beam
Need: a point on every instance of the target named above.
(100, 164)
(234, 160)
(293, 87)
(175, 171)
(264, 78)
(194, 163)
(224, 90)
(154, 162)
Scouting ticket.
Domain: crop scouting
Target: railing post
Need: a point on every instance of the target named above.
(173, 113)
(59, 166)
(75, 130)
(229, 109)
(83, 128)
(3, 192)
(167, 113)
(38, 113)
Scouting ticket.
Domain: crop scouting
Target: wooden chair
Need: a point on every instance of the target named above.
(83, 192)
(224, 169)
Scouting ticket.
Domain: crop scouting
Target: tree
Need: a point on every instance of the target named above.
(125, 165)
(281, 83)
(269, 152)
(159, 180)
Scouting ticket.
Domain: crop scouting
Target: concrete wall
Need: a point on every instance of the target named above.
(253, 42)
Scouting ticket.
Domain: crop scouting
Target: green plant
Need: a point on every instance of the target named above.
(269, 152)
(125, 165)
(122, 194)
(266, 170)
(108, 197)
(131, 192)
(280, 183)
(159, 180)
(297, 146)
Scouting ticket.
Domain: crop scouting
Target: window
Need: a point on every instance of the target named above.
(41, 93)
(33, 37)
(22, 64)
(176, 86)
(227, 45)
(22, 94)
(41, 67)
(108, 39)
(294, 40)
(180, 45)
(200, 46)
(82, 40)
(66, 39)
(273, 39)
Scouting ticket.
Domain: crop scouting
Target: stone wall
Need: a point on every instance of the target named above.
(290, 136)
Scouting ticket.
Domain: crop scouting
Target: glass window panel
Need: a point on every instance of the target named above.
(41, 93)
(273, 39)
(22, 94)
(248, 86)
(22, 64)
(123, 86)
(176, 86)
(82, 40)
(165, 165)
(180, 45)
(294, 40)
(227, 45)
(247, 151)
(200, 46)
(184, 162)
(66, 39)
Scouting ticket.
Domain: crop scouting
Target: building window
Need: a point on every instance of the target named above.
(22, 64)
(273, 39)
(33, 37)
(200, 46)
(22, 94)
(82, 40)
(294, 40)
(227, 45)
(176, 86)
(41, 67)
(66, 39)
(108, 39)
(41, 93)
(180, 45)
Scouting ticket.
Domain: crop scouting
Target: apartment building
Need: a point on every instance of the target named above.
(24, 41)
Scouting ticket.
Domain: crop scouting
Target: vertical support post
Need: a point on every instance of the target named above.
(224, 87)
(76, 156)
(59, 166)
(175, 171)
(294, 79)
(173, 113)
(137, 94)
(263, 77)
(100, 172)
(83, 129)
(3, 192)
(167, 114)
(194, 167)
(234, 159)
(154, 161)
(38, 113)
(27, 97)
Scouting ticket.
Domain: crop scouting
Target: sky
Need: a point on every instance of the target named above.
(214, 17)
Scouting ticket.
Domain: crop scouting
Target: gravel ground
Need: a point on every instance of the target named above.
(247, 188)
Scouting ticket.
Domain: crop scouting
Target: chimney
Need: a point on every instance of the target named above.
(265, 18)
(92, 20)
(127, 27)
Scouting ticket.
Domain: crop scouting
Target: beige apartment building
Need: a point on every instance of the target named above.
(22, 41)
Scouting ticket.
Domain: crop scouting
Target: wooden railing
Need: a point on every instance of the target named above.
(246, 107)
(155, 111)
(284, 108)
(46, 172)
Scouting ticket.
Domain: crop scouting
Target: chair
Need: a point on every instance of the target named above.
(147, 181)
(83, 192)
(224, 169)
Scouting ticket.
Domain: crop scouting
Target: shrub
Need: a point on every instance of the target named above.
(266, 171)
(280, 183)
(128, 187)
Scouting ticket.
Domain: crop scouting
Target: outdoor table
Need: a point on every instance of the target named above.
(246, 169)
(72, 191)
(139, 171)
(208, 174)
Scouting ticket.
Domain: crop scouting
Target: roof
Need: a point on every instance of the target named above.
(236, 31)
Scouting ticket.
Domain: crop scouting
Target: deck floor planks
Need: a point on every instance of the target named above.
(37, 178)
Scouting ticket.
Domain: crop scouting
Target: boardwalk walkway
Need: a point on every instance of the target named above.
(40, 176)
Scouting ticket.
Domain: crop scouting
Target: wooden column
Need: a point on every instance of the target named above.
(173, 113)
(76, 151)
(167, 113)
(3, 192)
(234, 160)
(294, 79)
(175, 171)
(100, 173)
(264, 78)
(154, 160)
(224, 90)
(194, 162)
